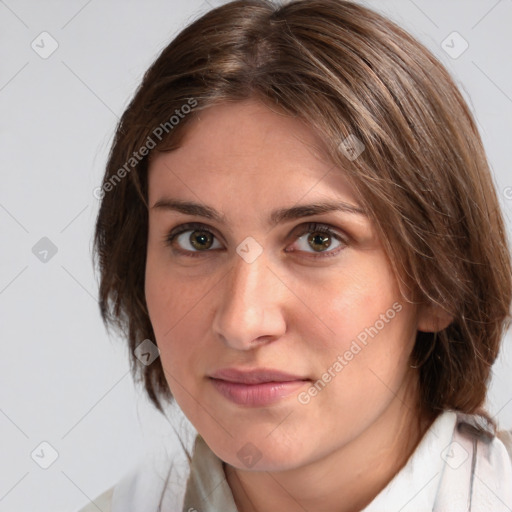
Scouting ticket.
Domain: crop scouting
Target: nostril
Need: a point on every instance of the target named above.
(262, 339)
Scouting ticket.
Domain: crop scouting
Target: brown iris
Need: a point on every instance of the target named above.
(319, 240)
(201, 239)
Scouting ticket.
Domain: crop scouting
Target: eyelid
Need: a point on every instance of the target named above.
(321, 227)
(189, 226)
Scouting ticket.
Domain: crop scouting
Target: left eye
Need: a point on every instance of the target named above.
(320, 238)
(192, 239)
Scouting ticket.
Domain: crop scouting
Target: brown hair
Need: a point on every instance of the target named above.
(423, 175)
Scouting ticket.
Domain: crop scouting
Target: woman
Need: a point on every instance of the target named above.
(298, 212)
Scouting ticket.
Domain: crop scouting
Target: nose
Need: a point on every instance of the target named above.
(249, 311)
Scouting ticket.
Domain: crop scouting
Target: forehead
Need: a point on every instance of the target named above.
(235, 147)
(239, 129)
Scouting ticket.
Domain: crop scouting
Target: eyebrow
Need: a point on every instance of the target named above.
(276, 217)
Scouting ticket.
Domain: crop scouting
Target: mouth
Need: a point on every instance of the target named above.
(257, 387)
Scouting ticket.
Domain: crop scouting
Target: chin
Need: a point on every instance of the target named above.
(259, 452)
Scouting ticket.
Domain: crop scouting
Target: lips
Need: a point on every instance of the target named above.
(256, 376)
(257, 387)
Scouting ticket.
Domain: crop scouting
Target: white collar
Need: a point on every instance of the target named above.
(414, 488)
(208, 490)
(436, 477)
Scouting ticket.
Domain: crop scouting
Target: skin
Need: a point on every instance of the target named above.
(295, 308)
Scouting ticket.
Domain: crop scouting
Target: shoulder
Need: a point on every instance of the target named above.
(157, 482)
(480, 429)
(102, 502)
(477, 469)
(505, 436)
(495, 445)
(157, 478)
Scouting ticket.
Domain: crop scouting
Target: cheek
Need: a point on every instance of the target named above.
(354, 300)
(177, 307)
(170, 295)
(170, 313)
(371, 352)
(371, 332)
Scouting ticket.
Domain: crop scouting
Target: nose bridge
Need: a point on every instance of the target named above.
(250, 306)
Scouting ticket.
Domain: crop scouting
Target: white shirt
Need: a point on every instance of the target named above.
(451, 470)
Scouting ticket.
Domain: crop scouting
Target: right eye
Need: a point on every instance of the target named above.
(192, 238)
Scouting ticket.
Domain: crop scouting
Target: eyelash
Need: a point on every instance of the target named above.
(307, 228)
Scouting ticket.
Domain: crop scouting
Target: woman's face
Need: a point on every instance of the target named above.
(281, 329)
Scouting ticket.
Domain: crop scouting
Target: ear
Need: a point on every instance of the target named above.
(432, 318)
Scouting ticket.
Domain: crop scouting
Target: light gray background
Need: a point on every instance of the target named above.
(63, 380)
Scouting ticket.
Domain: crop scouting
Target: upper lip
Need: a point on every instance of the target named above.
(254, 376)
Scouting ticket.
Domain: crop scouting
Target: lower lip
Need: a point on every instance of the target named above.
(257, 395)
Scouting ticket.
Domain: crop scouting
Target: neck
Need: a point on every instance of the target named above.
(347, 479)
